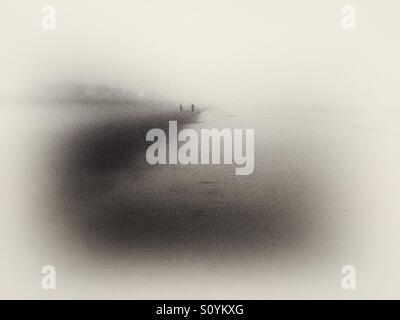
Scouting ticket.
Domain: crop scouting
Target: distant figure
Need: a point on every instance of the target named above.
(192, 107)
(180, 108)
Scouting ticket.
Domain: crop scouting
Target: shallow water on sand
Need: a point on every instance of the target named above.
(322, 194)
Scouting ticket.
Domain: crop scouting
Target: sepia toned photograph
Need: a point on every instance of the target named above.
(199, 150)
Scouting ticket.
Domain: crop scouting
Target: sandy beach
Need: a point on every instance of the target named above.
(310, 203)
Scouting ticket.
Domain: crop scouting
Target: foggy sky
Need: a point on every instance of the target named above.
(230, 54)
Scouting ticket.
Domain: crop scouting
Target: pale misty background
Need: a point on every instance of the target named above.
(324, 103)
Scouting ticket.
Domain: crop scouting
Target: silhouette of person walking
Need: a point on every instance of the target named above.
(192, 107)
(180, 108)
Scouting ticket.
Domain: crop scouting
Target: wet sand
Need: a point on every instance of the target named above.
(309, 207)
